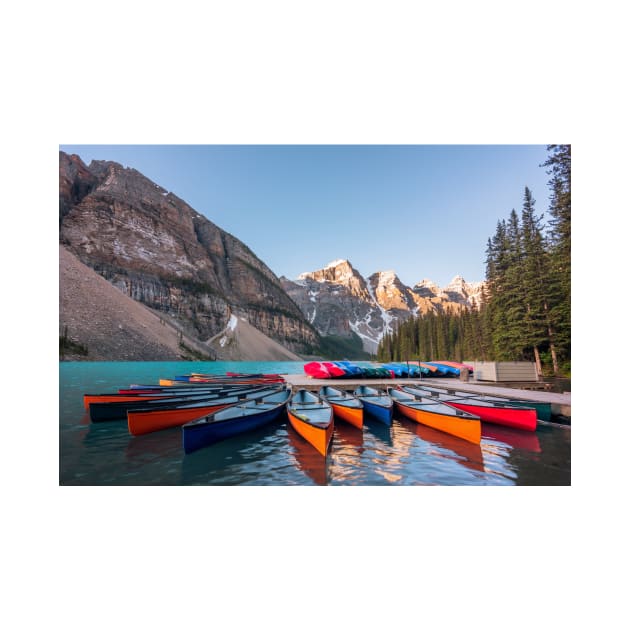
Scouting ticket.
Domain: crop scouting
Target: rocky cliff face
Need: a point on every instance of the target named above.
(159, 251)
(338, 300)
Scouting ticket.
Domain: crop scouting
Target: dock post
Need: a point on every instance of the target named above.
(463, 374)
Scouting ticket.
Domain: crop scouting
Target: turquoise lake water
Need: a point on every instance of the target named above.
(405, 454)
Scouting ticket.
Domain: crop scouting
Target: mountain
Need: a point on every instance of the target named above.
(338, 300)
(157, 250)
(99, 318)
(109, 325)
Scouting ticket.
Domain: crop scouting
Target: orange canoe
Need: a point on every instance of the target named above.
(312, 417)
(345, 406)
(437, 415)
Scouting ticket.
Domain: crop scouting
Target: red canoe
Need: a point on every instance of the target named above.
(515, 417)
(316, 369)
(334, 370)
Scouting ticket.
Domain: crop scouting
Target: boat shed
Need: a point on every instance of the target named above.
(504, 371)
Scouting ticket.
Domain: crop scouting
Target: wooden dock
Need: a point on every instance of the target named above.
(560, 403)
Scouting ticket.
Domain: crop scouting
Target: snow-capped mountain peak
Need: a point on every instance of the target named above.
(338, 300)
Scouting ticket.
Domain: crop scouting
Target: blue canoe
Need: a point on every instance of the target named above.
(398, 369)
(234, 420)
(376, 403)
(405, 370)
(444, 370)
(350, 368)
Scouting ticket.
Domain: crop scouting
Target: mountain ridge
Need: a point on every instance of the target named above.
(337, 299)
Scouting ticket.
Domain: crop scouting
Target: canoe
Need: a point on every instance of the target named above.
(415, 371)
(407, 369)
(457, 365)
(234, 420)
(308, 460)
(118, 409)
(234, 379)
(425, 369)
(445, 446)
(350, 368)
(228, 376)
(132, 395)
(345, 406)
(149, 419)
(89, 399)
(248, 375)
(435, 414)
(444, 370)
(335, 371)
(543, 409)
(313, 418)
(191, 388)
(432, 369)
(376, 403)
(374, 371)
(242, 379)
(497, 412)
(399, 370)
(315, 369)
(188, 381)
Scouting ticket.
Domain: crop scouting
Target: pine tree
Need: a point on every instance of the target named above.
(513, 296)
(559, 163)
(536, 283)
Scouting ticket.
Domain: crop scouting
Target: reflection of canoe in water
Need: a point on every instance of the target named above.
(466, 453)
(345, 406)
(433, 413)
(308, 460)
(312, 417)
(512, 437)
(153, 447)
(348, 435)
(382, 432)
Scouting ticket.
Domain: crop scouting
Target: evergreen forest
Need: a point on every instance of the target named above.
(525, 314)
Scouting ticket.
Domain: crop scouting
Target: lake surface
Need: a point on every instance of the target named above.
(405, 454)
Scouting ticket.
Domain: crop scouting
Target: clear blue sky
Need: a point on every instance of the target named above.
(423, 211)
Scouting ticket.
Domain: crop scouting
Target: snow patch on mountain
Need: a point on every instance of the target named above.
(336, 263)
(387, 317)
(338, 300)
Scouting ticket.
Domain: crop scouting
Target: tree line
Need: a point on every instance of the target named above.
(525, 313)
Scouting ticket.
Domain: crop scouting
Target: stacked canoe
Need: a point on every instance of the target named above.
(345, 369)
(406, 369)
